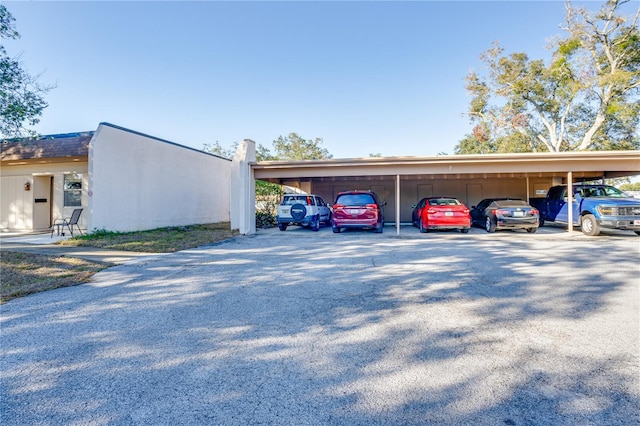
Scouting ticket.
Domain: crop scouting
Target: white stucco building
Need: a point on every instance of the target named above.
(122, 179)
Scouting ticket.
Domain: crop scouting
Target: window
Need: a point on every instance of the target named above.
(72, 190)
(355, 199)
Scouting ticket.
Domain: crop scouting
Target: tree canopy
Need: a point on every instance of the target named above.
(585, 98)
(291, 147)
(21, 95)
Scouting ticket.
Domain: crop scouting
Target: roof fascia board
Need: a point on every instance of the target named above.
(507, 163)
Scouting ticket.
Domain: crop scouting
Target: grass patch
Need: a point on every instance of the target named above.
(162, 240)
(26, 273)
(22, 274)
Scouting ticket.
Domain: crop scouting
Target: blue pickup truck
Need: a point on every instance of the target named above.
(594, 207)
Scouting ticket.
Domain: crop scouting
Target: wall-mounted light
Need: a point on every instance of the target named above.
(27, 186)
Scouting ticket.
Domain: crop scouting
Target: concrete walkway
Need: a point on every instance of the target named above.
(357, 328)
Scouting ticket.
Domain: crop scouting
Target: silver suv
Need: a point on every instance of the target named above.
(304, 210)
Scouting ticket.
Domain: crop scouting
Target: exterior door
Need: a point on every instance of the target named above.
(474, 194)
(425, 190)
(42, 190)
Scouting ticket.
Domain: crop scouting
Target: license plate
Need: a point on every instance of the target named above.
(354, 211)
(448, 213)
(518, 214)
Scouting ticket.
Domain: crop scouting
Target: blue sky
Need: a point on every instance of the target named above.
(366, 77)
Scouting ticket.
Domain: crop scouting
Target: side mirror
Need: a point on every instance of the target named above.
(473, 207)
(414, 206)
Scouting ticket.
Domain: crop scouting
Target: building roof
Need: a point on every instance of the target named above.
(584, 164)
(61, 146)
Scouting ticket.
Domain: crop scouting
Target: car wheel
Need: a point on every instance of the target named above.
(328, 221)
(298, 212)
(532, 230)
(464, 230)
(490, 225)
(589, 225)
(282, 226)
(540, 221)
(315, 223)
(421, 226)
(379, 228)
(334, 228)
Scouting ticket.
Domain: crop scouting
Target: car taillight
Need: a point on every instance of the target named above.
(338, 206)
(534, 212)
(465, 211)
(371, 207)
(503, 212)
(432, 211)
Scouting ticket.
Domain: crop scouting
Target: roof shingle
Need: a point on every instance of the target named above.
(48, 147)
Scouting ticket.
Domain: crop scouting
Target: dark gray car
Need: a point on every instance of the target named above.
(505, 213)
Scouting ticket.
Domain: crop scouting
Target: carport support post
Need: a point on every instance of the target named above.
(570, 201)
(243, 188)
(397, 204)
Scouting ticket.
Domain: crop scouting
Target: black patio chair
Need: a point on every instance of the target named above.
(68, 222)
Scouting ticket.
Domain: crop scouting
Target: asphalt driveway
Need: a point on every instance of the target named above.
(296, 327)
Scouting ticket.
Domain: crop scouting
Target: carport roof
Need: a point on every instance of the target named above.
(584, 165)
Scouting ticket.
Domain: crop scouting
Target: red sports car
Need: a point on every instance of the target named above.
(441, 213)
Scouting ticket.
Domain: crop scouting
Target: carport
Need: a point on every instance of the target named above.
(402, 181)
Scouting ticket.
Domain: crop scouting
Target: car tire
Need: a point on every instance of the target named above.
(315, 223)
(282, 226)
(589, 225)
(490, 225)
(298, 212)
(464, 230)
(532, 230)
(328, 221)
(335, 229)
(421, 226)
(540, 222)
(379, 228)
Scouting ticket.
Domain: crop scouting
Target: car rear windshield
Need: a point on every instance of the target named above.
(444, 202)
(512, 203)
(298, 199)
(355, 199)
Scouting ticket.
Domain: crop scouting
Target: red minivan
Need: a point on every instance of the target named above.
(357, 209)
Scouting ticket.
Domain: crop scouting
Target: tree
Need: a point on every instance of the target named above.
(219, 150)
(586, 97)
(262, 153)
(21, 96)
(293, 147)
(635, 186)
